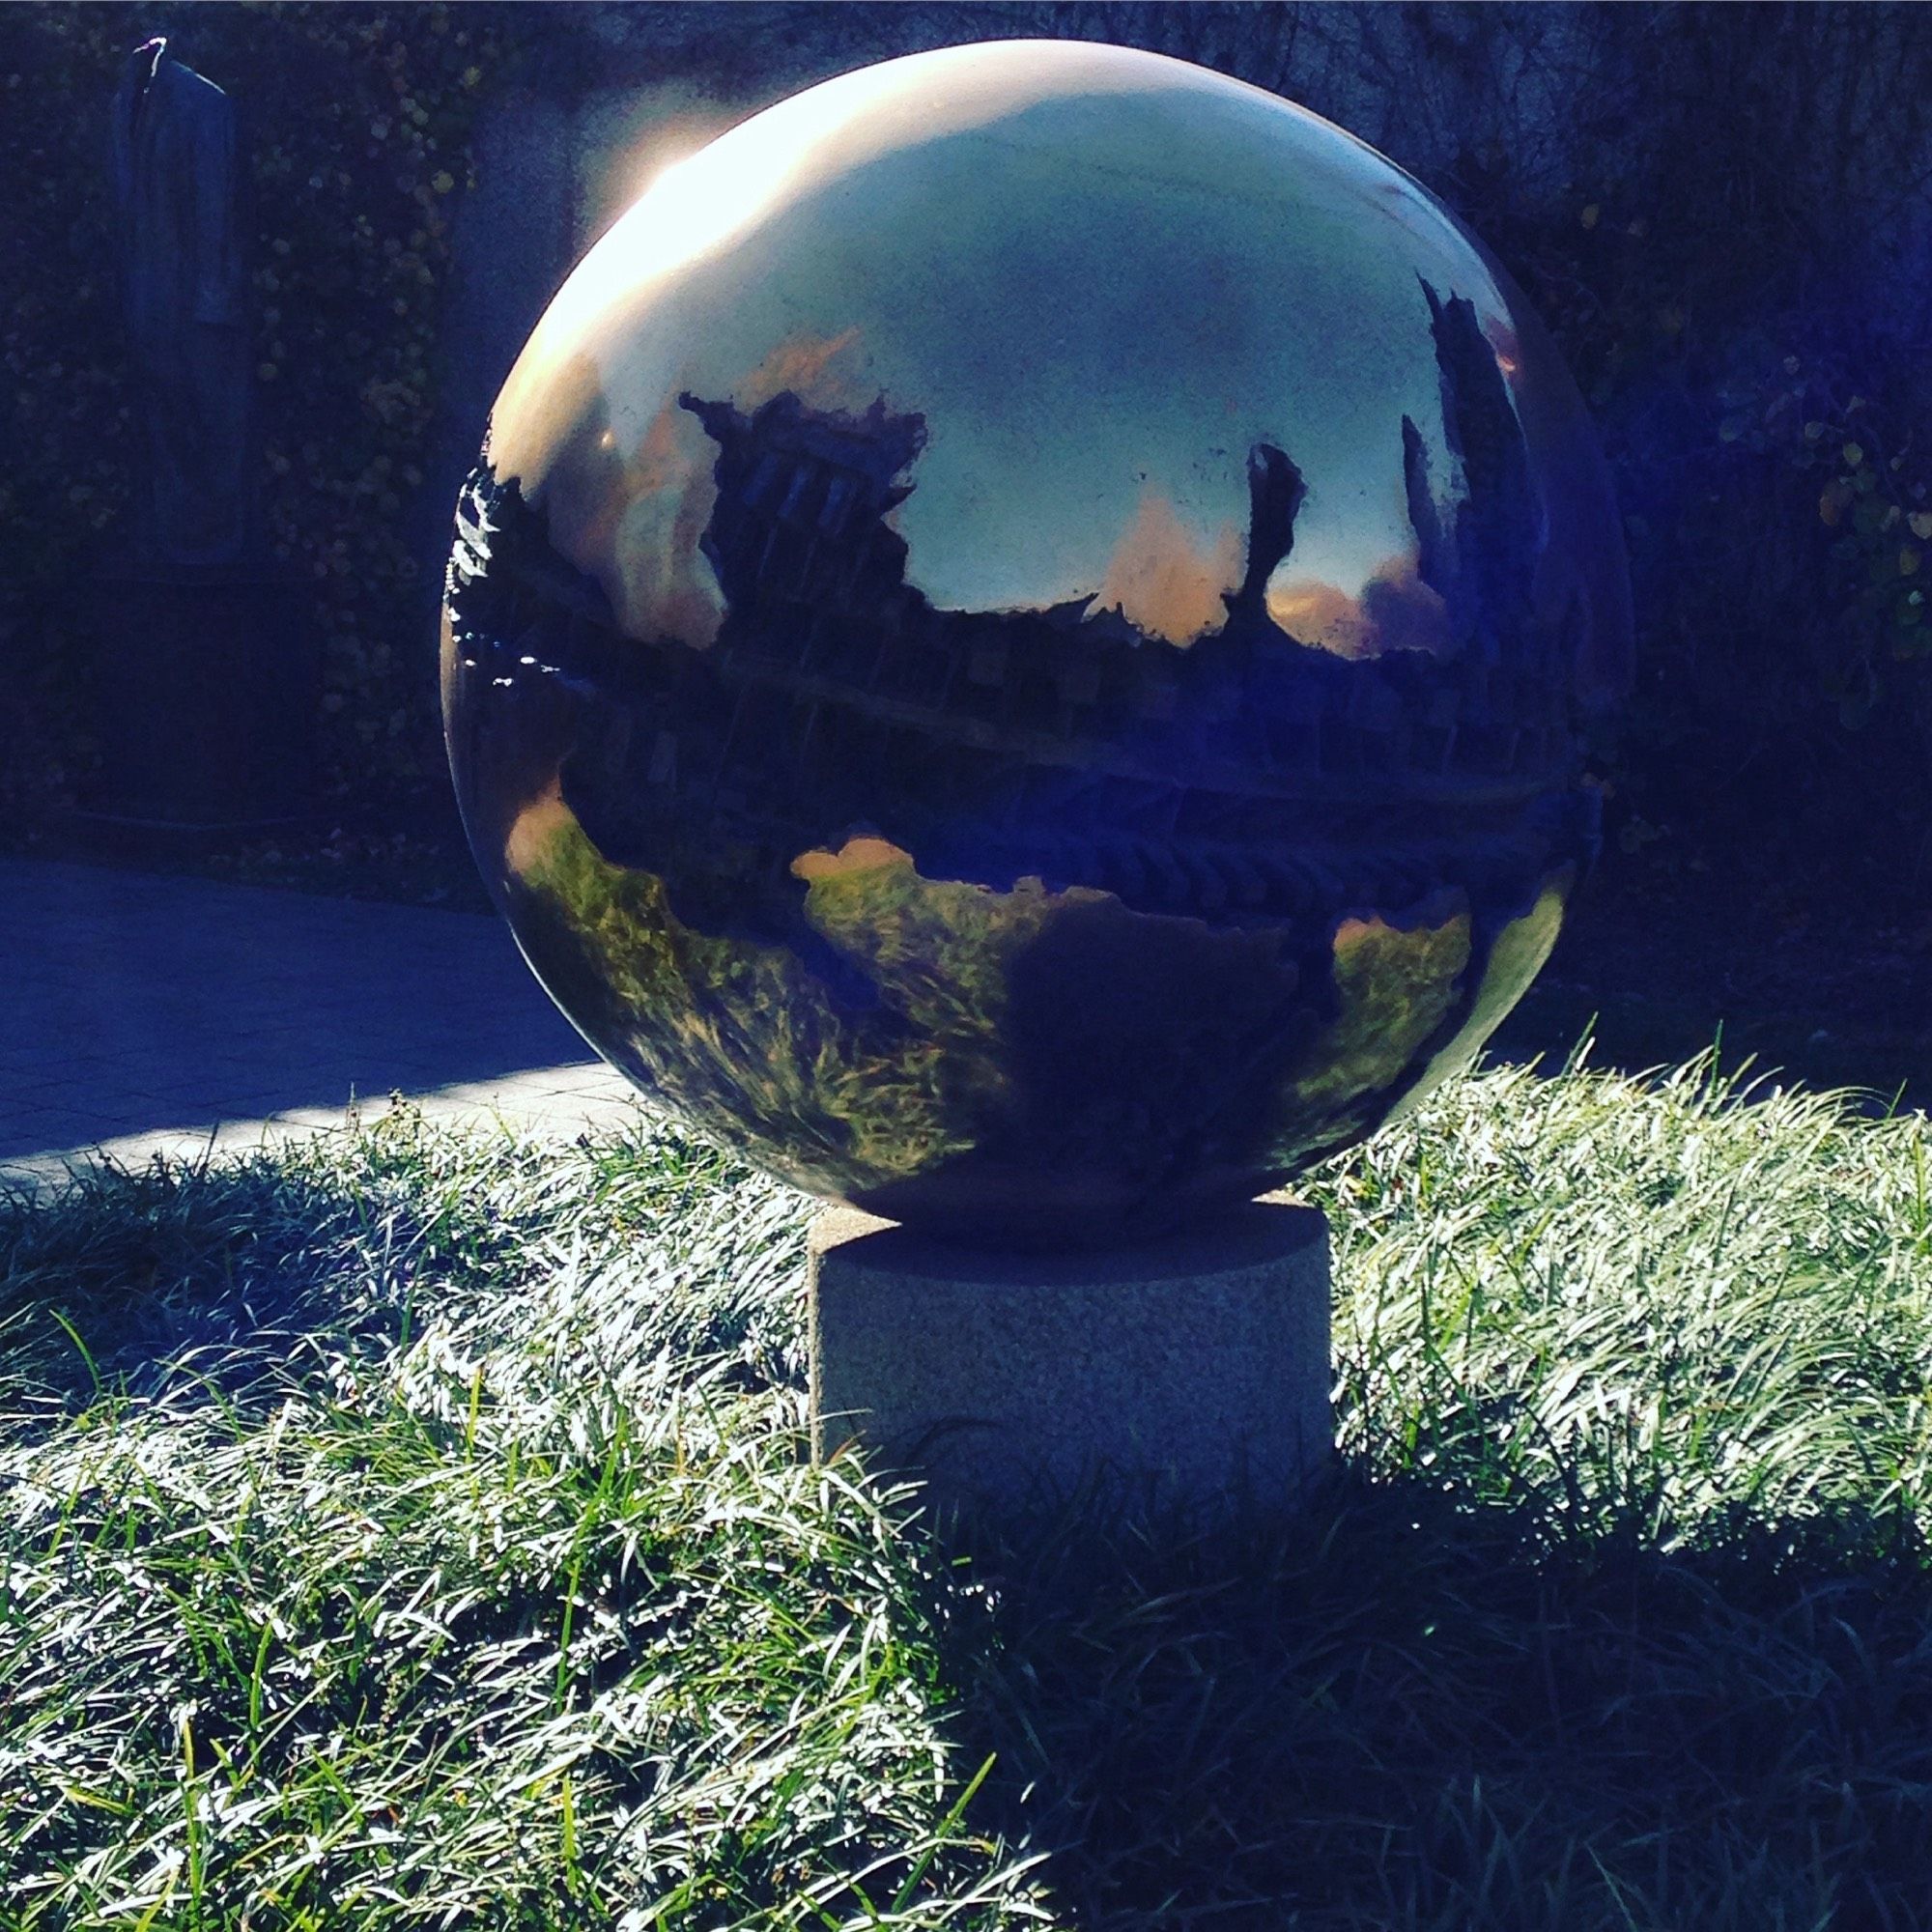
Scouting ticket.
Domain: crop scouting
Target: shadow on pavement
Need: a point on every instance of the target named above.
(138, 1001)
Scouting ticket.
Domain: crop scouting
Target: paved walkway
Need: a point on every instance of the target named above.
(140, 1012)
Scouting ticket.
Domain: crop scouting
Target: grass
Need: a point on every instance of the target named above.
(415, 1530)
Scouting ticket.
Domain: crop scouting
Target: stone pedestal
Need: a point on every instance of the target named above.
(1190, 1372)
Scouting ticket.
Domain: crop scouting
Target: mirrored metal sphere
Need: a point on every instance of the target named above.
(1017, 646)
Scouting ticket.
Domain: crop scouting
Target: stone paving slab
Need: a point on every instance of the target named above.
(143, 1012)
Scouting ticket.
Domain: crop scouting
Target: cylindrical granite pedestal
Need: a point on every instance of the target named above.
(1187, 1372)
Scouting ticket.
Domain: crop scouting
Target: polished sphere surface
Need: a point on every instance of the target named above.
(1018, 646)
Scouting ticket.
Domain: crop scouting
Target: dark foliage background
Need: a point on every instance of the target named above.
(1723, 212)
(356, 125)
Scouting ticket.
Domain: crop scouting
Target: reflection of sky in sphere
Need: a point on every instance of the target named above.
(1141, 331)
(1099, 301)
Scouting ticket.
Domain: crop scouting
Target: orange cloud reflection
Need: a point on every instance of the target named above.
(1161, 583)
(663, 583)
(807, 365)
(860, 852)
(1395, 611)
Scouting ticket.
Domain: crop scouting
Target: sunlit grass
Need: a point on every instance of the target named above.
(414, 1530)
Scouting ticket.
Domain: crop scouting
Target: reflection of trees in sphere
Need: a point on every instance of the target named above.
(1018, 644)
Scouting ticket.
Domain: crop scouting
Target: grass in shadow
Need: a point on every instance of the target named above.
(431, 1541)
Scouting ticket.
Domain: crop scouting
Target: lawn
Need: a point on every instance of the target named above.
(413, 1529)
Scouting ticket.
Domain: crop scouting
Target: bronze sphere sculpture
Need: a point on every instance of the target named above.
(1017, 647)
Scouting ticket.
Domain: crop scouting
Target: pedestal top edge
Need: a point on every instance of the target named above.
(1265, 1235)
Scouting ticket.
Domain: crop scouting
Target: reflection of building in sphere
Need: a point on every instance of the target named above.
(1032, 922)
(1054, 743)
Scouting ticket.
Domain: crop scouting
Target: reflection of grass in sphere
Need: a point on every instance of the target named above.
(744, 1038)
(749, 1040)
